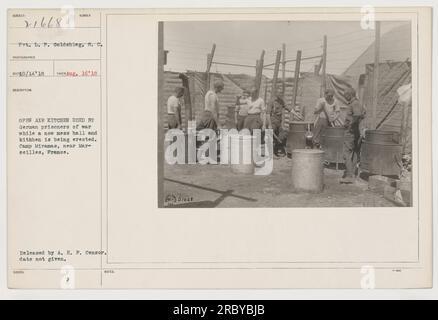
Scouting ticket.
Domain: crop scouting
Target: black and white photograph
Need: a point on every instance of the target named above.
(282, 114)
(270, 151)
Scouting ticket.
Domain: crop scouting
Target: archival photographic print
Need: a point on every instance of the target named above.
(321, 109)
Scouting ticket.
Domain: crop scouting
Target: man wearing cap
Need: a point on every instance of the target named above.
(210, 116)
(174, 109)
(355, 114)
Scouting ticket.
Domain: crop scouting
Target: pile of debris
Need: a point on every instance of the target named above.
(398, 190)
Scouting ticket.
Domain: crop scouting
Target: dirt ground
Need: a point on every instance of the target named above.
(209, 186)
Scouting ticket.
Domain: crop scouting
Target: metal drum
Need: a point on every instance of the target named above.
(297, 135)
(241, 154)
(379, 136)
(307, 170)
(333, 144)
(380, 154)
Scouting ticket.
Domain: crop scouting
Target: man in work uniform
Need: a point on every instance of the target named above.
(355, 114)
(210, 116)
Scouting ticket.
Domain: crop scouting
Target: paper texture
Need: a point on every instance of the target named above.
(92, 202)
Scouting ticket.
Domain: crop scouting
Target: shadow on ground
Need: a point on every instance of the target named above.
(211, 186)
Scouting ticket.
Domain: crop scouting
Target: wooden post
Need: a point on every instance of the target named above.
(283, 72)
(275, 77)
(161, 103)
(404, 126)
(296, 78)
(166, 52)
(259, 73)
(406, 104)
(210, 57)
(361, 88)
(187, 99)
(375, 89)
(324, 66)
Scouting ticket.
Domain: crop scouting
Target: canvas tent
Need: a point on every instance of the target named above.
(395, 72)
(395, 46)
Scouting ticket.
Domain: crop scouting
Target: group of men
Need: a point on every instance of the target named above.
(252, 113)
(250, 110)
(328, 114)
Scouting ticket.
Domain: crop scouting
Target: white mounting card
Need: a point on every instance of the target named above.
(115, 179)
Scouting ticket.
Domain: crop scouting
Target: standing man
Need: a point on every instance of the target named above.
(355, 114)
(210, 116)
(256, 118)
(275, 122)
(241, 111)
(174, 108)
(328, 113)
(275, 118)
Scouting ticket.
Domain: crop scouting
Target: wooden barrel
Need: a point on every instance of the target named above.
(307, 170)
(297, 135)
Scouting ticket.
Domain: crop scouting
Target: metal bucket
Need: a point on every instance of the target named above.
(297, 135)
(381, 158)
(307, 170)
(241, 151)
(333, 144)
(380, 136)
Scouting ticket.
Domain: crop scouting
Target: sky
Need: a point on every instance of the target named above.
(241, 42)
